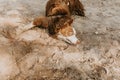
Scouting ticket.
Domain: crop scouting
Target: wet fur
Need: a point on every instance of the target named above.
(64, 7)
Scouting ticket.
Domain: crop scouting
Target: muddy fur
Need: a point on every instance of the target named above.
(64, 7)
(53, 23)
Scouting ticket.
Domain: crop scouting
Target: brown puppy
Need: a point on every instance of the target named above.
(64, 7)
(59, 27)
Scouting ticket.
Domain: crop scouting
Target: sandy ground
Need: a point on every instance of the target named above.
(30, 54)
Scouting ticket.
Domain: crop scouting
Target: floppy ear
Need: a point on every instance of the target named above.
(52, 29)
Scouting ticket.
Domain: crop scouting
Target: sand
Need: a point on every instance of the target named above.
(28, 53)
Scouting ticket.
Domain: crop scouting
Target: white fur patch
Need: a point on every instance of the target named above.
(73, 39)
(70, 39)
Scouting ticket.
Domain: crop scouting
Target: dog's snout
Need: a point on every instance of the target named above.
(73, 40)
(77, 42)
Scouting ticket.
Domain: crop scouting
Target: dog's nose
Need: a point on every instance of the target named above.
(77, 42)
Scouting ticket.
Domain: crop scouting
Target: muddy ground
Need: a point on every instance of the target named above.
(30, 54)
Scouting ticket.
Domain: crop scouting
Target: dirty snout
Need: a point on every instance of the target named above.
(68, 35)
(72, 40)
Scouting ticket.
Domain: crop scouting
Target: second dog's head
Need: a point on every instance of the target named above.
(60, 27)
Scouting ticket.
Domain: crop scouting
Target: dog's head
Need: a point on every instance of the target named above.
(62, 28)
(68, 33)
(59, 27)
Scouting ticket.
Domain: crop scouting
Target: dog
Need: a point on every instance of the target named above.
(59, 27)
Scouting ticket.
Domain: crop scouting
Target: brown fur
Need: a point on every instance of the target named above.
(64, 7)
(54, 23)
(41, 21)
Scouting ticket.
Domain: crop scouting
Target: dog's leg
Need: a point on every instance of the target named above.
(41, 22)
